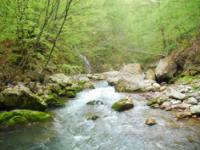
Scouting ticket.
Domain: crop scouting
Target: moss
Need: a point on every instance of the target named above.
(16, 117)
(71, 94)
(184, 79)
(53, 100)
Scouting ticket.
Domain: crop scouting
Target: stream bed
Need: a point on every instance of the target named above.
(69, 129)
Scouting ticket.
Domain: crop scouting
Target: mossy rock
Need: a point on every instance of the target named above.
(152, 102)
(53, 100)
(20, 97)
(18, 117)
(67, 93)
(71, 94)
(123, 104)
(95, 102)
(91, 116)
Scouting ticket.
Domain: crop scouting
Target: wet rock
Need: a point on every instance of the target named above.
(150, 121)
(95, 102)
(20, 97)
(152, 102)
(184, 114)
(165, 69)
(91, 116)
(16, 117)
(155, 102)
(195, 109)
(192, 101)
(123, 104)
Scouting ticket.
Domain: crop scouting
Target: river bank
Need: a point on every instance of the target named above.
(70, 129)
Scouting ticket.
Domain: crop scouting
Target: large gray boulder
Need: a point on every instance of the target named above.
(133, 69)
(130, 79)
(165, 69)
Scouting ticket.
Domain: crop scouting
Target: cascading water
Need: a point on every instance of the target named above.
(86, 63)
(112, 131)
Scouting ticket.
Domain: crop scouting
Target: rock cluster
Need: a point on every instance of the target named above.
(36, 96)
(131, 79)
(181, 98)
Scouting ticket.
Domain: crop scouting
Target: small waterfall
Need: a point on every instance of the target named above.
(86, 63)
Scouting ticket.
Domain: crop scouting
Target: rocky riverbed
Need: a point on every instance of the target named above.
(183, 97)
(88, 122)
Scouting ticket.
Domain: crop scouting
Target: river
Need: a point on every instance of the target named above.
(69, 130)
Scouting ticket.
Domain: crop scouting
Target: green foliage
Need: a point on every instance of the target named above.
(70, 69)
(108, 32)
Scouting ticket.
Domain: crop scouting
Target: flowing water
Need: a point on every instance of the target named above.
(113, 131)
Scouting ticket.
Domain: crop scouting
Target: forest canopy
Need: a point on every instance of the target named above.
(51, 35)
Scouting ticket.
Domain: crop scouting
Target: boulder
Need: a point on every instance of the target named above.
(195, 109)
(91, 116)
(60, 79)
(133, 69)
(165, 69)
(150, 121)
(20, 97)
(125, 85)
(95, 102)
(123, 104)
(112, 77)
(18, 117)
